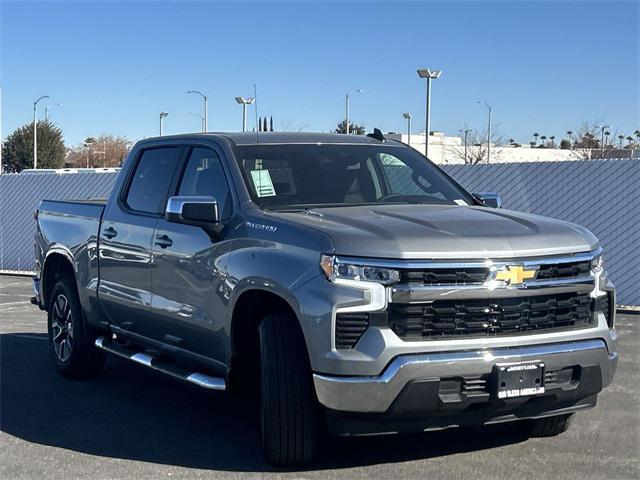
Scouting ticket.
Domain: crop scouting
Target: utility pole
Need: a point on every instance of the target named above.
(206, 109)
(347, 127)
(602, 129)
(163, 115)
(488, 129)
(35, 131)
(408, 117)
(466, 132)
(429, 75)
(244, 102)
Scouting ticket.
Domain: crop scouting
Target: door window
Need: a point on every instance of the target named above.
(152, 179)
(204, 176)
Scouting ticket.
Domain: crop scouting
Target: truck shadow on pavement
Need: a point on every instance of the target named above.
(132, 413)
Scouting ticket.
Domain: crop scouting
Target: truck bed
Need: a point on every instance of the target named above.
(88, 207)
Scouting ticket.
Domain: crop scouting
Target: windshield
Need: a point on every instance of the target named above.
(296, 176)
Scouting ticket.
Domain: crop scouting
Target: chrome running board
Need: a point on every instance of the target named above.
(146, 360)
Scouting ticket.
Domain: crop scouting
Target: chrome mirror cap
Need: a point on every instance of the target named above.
(490, 199)
(193, 210)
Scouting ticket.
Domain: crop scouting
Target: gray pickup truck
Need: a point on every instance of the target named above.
(345, 281)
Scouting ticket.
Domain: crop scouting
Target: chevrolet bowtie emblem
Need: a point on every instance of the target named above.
(516, 274)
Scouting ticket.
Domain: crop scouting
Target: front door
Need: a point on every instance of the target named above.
(126, 237)
(189, 266)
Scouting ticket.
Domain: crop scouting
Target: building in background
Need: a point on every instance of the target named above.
(450, 150)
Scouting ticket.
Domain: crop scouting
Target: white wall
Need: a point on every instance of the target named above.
(442, 149)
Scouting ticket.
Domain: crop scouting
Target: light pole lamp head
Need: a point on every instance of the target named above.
(245, 101)
(428, 73)
(407, 116)
(164, 114)
(38, 100)
(198, 92)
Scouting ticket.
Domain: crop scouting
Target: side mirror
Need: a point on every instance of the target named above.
(200, 211)
(490, 199)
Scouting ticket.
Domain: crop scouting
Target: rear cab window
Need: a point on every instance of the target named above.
(152, 178)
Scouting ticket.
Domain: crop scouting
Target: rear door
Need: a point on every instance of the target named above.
(126, 237)
(190, 265)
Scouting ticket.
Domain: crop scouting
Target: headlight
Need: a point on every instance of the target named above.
(334, 269)
(597, 265)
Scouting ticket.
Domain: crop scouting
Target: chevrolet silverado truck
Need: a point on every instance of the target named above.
(346, 282)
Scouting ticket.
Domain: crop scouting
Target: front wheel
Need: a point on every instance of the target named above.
(551, 426)
(289, 408)
(71, 343)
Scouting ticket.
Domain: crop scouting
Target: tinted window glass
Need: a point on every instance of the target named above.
(204, 176)
(152, 179)
(301, 176)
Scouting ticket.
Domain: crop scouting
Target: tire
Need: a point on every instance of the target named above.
(551, 426)
(71, 343)
(289, 409)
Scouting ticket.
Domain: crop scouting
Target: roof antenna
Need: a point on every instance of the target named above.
(377, 134)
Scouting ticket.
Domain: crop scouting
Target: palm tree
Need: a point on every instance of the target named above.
(552, 138)
(637, 134)
(543, 138)
(535, 136)
(620, 138)
(570, 135)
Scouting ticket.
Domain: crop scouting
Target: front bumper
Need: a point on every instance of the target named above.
(437, 384)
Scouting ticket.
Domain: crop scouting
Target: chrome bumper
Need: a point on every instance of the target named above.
(376, 394)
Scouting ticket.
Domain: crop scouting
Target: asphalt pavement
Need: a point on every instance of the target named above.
(131, 423)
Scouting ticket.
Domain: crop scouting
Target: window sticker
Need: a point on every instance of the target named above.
(262, 181)
(460, 202)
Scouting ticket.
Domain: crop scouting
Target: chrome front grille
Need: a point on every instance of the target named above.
(474, 274)
(442, 300)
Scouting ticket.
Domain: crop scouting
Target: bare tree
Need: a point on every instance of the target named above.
(586, 145)
(476, 151)
(101, 151)
(291, 127)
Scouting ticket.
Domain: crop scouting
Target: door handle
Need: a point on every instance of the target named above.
(163, 241)
(109, 232)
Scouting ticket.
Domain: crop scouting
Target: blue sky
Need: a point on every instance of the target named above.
(543, 66)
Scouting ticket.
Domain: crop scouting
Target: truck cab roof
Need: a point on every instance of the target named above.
(276, 138)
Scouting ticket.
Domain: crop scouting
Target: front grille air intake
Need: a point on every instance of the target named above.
(349, 328)
(444, 319)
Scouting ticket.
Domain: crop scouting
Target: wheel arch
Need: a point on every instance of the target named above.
(58, 263)
(250, 307)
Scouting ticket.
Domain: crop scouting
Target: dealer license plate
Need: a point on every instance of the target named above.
(519, 379)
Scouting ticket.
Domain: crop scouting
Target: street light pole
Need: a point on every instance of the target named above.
(163, 115)
(602, 129)
(206, 108)
(244, 102)
(46, 111)
(429, 75)
(347, 127)
(466, 132)
(196, 114)
(489, 130)
(35, 131)
(408, 117)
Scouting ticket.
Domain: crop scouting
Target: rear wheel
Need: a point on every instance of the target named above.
(71, 343)
(289, 408)
(551, 426)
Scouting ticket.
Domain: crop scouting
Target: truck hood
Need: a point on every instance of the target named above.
(442, 231)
